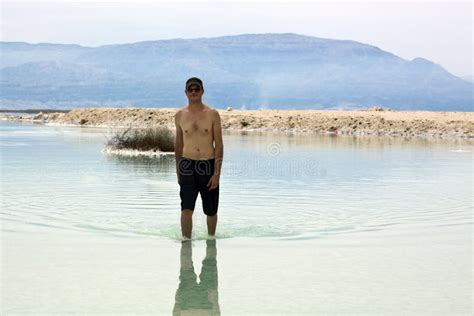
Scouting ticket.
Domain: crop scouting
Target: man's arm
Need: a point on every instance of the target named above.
(218, 143)
(178, 146)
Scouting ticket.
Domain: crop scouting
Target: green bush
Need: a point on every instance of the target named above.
(159, 138)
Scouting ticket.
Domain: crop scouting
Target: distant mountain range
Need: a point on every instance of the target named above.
(279, 71)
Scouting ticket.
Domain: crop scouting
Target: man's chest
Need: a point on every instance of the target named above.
(196, 124)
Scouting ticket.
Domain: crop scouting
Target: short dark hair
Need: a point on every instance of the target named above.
(194, 80)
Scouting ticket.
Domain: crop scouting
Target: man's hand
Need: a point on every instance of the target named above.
(213, 182)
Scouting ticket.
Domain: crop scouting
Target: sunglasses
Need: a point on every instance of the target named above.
(194, 89)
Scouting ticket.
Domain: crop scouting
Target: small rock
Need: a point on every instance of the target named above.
(378, 108)
(38, 116)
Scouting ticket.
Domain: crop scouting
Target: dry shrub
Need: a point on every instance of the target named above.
(159, 138)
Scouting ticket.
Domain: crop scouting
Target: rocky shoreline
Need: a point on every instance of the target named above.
(370, 122)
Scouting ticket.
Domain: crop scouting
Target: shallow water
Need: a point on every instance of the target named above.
(308, 224)
(273, 185)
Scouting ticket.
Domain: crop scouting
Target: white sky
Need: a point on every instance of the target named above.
(440, 31)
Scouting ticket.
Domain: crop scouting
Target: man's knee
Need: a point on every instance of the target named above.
(187, 212)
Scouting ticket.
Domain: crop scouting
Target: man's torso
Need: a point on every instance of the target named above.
(198, 138)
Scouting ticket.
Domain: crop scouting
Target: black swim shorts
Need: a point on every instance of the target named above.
(194, 175)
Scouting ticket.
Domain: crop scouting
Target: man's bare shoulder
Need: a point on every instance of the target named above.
(215, 115)
(180, 112)
(213, 112)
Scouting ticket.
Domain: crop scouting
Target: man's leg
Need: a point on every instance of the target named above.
(188, 192)
(186, 223)
(211, 225)
(210, 198)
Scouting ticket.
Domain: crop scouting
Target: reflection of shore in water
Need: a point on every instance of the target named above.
(158, 164)
(193, 298)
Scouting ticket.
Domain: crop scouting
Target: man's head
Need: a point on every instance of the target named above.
(194, 89)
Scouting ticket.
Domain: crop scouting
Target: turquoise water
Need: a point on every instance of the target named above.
(273, 185)
(308, 225)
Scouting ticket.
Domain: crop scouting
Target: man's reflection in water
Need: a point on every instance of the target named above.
(193, 298)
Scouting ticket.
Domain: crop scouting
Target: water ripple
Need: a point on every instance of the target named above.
(361, 189)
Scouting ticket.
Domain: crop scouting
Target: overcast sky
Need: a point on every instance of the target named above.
(439, 31)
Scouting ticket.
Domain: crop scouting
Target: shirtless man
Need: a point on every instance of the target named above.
(199, 151)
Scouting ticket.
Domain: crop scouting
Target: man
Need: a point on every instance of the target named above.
(199, 151)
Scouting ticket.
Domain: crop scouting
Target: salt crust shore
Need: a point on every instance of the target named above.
(369, 122)
(110, 150)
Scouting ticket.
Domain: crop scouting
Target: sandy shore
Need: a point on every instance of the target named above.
(392, 123)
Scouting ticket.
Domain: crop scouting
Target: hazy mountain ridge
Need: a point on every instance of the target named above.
(251, 71)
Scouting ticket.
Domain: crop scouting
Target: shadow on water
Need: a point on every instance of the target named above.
(193, 298)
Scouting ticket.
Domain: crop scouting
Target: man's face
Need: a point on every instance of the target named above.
(194, 92)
